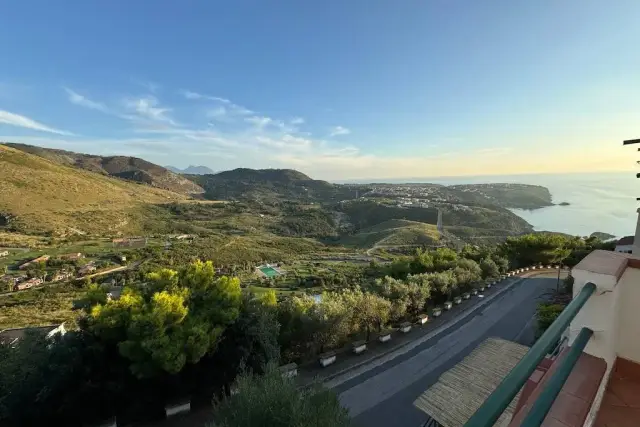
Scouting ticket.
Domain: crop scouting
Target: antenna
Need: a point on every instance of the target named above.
(629, 142)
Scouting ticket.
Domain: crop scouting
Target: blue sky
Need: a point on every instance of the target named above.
(337, 89)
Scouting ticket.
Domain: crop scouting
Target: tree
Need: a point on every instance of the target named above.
(330, 319)
(296, 326)
(366, 310)
(422, 262)
(444, 284)
(444, 259)
(418, 292)
(269, 298)
(501, 262)
(539, 248)
(67, 380)
(174, 320)
(397, 292)
(272, 400)
(251, 342)
(489, 268)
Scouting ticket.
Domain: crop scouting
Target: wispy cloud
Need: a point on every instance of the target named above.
(218, 113)
(147, 107)
(259, 121)
(288, 142)
(230, 106)
(76, 98)
(195, 95)
(17, 120)
(230, 130)
(339, 130)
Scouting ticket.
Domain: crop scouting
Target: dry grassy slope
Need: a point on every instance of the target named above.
(129, 168)
(395, 232)
(43, 196)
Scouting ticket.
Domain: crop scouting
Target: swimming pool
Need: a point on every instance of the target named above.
(269, 271)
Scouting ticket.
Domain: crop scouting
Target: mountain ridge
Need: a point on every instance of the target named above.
(192, 170)
(124, 167)
(40, 196)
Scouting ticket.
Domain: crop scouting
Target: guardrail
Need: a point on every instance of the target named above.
(543, 403)
(497, 402)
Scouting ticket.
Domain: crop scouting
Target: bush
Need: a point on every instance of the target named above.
(546, 314)
(271, 400)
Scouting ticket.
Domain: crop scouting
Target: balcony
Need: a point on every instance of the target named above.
(583, 371)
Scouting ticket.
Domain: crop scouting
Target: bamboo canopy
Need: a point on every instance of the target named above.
(461, 390)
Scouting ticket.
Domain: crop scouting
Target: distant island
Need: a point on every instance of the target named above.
(564, 204)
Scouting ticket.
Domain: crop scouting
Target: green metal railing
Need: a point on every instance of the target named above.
(497, 402)
(541, 407)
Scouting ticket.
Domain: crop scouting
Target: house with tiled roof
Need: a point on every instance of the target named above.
(625, 245)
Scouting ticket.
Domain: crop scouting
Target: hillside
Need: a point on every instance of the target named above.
(364, 213)
(263, 175)
(129, 168)
(520, 196)
(269, 185)
(395, 232)
(43, 196)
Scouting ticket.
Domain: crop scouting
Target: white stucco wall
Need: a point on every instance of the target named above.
(624, 248)
(636, 240)
(628, 342)
(614, 316)
(598, 314)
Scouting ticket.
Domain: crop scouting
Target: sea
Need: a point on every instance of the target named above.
(603, 202)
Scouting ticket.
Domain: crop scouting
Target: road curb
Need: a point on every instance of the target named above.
(463, 315)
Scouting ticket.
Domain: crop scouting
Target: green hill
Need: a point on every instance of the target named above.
(269, 186)
(41, 196)
(263, 175)
(123, 167)
(365, 213)
(395, 232)
(520, 196)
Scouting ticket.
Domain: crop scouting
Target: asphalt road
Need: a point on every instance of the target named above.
(383, 396)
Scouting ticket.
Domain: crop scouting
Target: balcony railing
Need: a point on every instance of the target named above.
(494, 406)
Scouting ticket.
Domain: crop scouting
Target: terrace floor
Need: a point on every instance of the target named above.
(621, 402)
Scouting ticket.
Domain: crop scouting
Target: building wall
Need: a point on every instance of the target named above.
(628, 342)
(597, 314)
(624, 248)
(636, 240)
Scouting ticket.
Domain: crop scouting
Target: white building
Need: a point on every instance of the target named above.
(625, 245)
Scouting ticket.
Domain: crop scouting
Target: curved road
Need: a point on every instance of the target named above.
(383, 395)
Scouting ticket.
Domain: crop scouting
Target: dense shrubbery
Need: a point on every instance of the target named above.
(271, 400)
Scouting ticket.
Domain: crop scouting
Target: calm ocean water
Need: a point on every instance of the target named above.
(598, 202)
